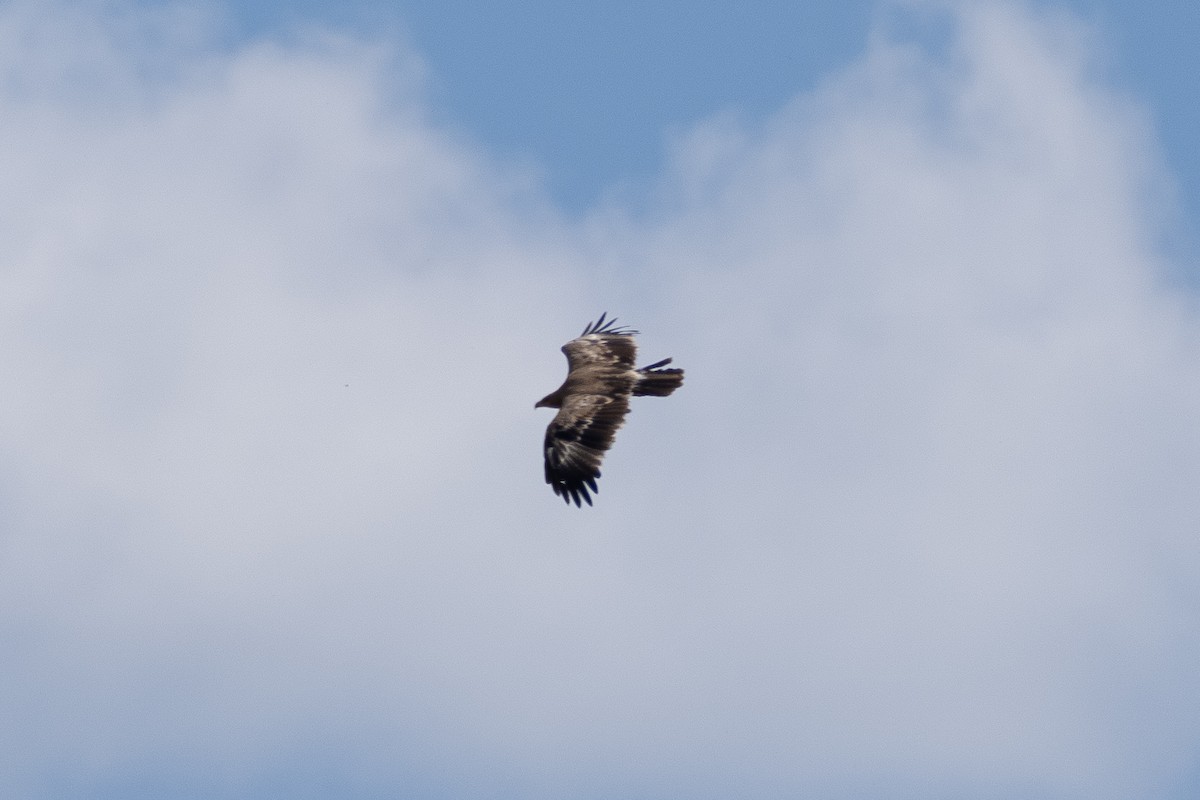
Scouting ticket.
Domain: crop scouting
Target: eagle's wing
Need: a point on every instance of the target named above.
(602, 345)
(577, 439)
(599, 351)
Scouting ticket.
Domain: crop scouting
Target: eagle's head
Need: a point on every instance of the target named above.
(553, 400)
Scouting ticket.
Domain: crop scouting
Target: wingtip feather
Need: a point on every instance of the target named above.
(607, 326)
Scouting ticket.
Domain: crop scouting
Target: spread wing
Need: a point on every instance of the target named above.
(601, 347)
(577, 439)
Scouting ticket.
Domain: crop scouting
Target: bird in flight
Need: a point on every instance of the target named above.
(592, 404)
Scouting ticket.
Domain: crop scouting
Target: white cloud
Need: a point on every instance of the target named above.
(921, 518)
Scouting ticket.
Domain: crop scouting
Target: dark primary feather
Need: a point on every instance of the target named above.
(593, 402)
(600, 326)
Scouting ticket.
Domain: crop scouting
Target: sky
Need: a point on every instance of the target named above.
(280, 286)
(626, 76)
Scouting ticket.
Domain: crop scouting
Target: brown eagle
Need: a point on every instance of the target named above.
(593, 402)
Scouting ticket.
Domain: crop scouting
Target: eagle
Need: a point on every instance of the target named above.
(592, 404)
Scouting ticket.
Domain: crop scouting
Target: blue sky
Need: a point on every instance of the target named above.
(279, 286)
(590, 93)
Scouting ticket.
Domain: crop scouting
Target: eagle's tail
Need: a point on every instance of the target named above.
(657, 382)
